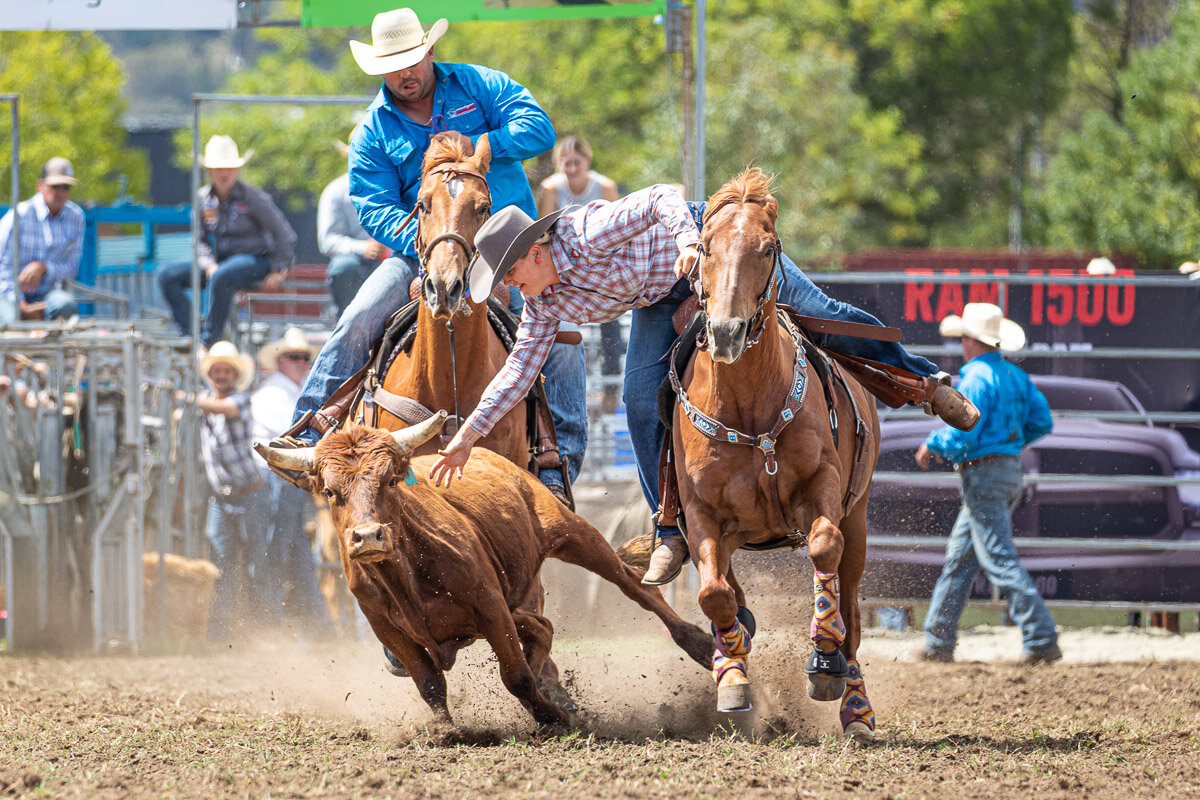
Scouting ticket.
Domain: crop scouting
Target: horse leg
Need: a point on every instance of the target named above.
(827, 668)
(857, 716)
(732, 623)
(584, 546)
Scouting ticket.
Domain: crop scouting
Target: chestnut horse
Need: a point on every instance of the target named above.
(798, 481)
(455, 352)
(452, 202)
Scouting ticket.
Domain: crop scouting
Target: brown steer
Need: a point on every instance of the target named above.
(434, 569)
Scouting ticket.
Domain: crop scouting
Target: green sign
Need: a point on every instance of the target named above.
(340, 13)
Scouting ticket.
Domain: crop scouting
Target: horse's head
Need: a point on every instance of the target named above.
(739, 251)
(452, 203)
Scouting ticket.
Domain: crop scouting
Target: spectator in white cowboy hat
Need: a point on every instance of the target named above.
(51, 246)
(1013, 413)
(245, 242)
(235, 509)
(292, 584)
(421, 97)
(353, 255)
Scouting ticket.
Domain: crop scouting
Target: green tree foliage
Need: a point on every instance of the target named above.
(847, 176)
(70, 105)
(294, 154)
(972, 78)
(1132, 184)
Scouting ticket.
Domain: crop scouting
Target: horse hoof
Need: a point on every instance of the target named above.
(826, 687)
(734, 697)
(859, 732)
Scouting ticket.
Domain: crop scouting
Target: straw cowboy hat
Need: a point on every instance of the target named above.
(227, 353)
(506, 236)
(397, 42)
(986, 323)
(293, 340)
(221, 152)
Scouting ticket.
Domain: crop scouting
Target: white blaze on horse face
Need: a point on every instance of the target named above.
(454, 186)
(732, 295)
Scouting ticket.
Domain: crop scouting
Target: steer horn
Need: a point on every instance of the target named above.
(299, 459)
(411, 438)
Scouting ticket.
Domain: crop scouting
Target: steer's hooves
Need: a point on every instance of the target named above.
(826, 687)
(859, 733)
(734, 697)
(556, 694)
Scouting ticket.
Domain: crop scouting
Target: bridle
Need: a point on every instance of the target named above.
(425, 250)
(758, 321)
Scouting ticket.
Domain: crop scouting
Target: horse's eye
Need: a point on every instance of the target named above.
(422, 206)
(392, 482)
(330, 493)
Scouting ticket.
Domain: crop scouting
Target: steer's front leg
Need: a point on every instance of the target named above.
(497, 626)
(430, 681)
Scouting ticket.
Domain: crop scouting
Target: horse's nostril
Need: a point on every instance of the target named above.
(379, 536)
(355, 539)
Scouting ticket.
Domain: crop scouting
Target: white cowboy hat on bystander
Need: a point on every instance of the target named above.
(221, 152)
(397, 42)
(986, 323)
(227, 353)
(294, 340)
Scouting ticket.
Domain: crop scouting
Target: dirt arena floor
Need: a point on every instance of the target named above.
(272, 717)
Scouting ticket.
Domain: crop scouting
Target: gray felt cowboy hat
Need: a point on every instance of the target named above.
(506, 236)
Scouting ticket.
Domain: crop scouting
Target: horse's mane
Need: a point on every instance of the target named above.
(449, 147)
(751, 186)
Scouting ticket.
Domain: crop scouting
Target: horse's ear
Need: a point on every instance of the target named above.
(772, 207)
(483, 154)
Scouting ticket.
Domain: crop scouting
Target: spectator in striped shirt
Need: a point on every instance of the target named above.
(594, 263)
(51, 233)
(236, 534)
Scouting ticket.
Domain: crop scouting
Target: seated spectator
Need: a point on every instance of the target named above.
(51, 234)
(245, 243)
(352, 253)
(293, 583)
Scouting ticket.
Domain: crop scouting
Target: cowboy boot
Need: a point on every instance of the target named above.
(943, 400)
(666, 560)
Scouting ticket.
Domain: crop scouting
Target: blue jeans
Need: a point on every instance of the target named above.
(651, 334)
(364, 321)
(60, 304)
(290, 557)
(347, 273)
(239, 549)
(243, 271)
(982, 538)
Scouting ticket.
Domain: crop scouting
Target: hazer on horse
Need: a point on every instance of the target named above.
(443, 348)
(773, 445)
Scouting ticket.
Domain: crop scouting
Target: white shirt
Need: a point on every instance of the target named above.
(271, 407)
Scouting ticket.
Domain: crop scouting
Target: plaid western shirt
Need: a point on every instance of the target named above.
(54, 239)
(611, 258)
(228, 455)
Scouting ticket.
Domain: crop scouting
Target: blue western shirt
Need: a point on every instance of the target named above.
(387, 148)
(1012, 412)
(54, 239)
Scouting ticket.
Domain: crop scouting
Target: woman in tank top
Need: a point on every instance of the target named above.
(574, 183)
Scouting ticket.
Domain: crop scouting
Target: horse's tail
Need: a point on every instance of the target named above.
(636, 552)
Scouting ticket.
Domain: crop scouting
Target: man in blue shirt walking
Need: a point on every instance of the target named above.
(1013, 413)
(421, 97)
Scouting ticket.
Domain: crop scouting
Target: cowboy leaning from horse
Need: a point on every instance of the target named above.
(420, 97)
(592, 264)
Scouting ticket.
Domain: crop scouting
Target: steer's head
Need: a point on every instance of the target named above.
(359, 470)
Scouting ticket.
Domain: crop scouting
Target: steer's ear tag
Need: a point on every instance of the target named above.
(410, 478)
